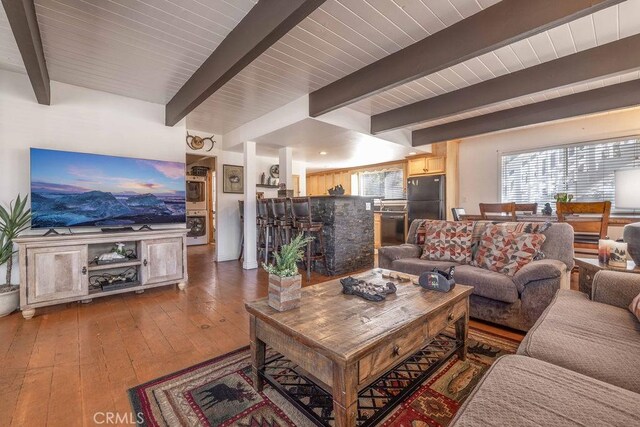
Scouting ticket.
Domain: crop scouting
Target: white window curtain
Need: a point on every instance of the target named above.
(585, 170)
(385, 184)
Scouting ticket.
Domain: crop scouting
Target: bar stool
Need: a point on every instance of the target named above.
(241, 206)
(264, 221)
(282, 222)
(303, 223)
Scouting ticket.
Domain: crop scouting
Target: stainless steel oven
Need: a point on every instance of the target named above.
(393, 214)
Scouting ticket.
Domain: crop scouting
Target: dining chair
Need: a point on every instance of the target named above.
(457, 213)
(590, 222)
(498, 208)
(529, 208)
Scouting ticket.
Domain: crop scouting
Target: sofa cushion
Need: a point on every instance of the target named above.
(486, 283)
(418, 266)
(634, 307)
(520, 391)
(506, 251)
(448, 241)
(592, 338)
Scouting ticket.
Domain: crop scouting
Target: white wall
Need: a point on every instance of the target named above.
(227, 208)
(78, 119)
(479, 156)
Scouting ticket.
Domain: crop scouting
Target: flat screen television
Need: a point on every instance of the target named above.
(70, 189)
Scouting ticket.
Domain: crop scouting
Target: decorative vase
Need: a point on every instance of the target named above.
(9, 302)
(284, 292)
(631, 236)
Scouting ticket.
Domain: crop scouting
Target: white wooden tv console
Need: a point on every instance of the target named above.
(64, 268)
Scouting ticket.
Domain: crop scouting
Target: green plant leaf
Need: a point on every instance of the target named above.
(13, 221)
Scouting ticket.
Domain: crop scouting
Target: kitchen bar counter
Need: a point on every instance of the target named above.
(348, 232)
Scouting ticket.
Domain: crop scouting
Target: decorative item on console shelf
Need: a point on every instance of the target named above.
(117, 254)
(112, 281)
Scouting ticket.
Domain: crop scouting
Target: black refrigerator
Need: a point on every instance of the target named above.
(426, 197)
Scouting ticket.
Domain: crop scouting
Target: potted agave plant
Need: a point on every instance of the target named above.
(284, 279)
(12, 222)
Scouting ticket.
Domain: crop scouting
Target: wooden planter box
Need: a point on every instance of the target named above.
(284, 292)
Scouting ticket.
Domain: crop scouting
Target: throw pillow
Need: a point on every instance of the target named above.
(635, 306)
(520, 227)
(447, 241)
(505, 250)
(420, 232)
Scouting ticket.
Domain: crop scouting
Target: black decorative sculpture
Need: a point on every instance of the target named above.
(547, 209)
(368, 291)
(196, 142)
(338, 190)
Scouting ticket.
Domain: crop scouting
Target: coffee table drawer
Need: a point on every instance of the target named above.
(390, 353)
(446, 317)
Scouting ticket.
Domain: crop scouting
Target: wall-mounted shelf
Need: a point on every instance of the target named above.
(266, 186)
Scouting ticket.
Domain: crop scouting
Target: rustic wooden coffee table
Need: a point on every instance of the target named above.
(343, 343)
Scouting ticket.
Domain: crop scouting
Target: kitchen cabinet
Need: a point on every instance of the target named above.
(425, 166)
(312, 185)
(319, 184)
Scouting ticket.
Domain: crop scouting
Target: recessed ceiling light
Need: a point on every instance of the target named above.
(412, 153)
(323, 153)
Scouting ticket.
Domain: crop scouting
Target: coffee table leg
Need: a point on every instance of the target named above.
(258, 351)
(345, 394)
(462, 333)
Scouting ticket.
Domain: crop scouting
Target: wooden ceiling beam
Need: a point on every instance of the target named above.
(599, 62)
(264, 25)
(24, 25)
(499, 25)
(621, 95)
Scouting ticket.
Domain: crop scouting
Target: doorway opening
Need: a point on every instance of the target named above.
(201, 199)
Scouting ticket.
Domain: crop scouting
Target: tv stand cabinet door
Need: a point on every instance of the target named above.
(55, 273)
(162, 260)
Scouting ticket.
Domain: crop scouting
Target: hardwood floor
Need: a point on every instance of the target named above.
(73, 361)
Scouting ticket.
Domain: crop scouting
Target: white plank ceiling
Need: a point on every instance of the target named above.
(144, 49)
(147, 49)
(10, 58)
(602, 27)
(337, 39)
(343, 36)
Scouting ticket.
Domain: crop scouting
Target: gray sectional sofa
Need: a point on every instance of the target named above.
(578, 365)
(516, 301)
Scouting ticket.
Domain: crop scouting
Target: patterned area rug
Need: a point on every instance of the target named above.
(219, 392)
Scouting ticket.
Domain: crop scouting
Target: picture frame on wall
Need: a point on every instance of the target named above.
(232, 179)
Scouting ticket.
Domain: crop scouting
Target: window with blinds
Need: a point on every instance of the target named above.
(387, 184)
(585, 170)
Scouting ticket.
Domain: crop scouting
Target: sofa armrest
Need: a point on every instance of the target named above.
(388, 254)
(615, 288)
(543, 269)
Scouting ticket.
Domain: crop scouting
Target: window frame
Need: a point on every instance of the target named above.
(398, 168)
(501, 155)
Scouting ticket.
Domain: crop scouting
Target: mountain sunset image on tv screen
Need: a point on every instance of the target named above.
(71, 189)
